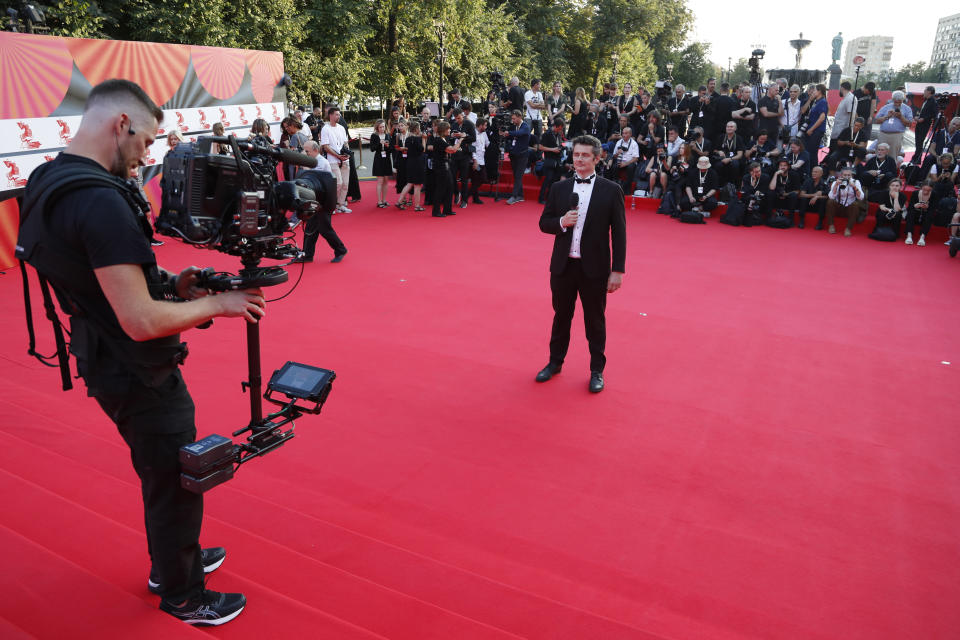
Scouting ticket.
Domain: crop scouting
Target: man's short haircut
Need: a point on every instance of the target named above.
(782, 81)
(535, 82)
(559, 122)
(517, 112)
(860, 120)
(606, 85)
(309, 145)
(457, 111)
(753, 165)
(846, 168)
(680, 87)
(467, 107)
(897, 95)
(702, 87)
(613, 85)
(883, 145)
(111, 90)
(332, 109)
(846, 85)
(795, 87)
(724, 86)
(930, 88)
(455, 91)
(673, 128)
(870, 85)
(588, 141)
(709, 80)
(732, 123)
(625, 129)
(481, 121)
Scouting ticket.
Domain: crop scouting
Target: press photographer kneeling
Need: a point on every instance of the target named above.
(91, 241)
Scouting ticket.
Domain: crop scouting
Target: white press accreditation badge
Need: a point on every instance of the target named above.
(700, 190)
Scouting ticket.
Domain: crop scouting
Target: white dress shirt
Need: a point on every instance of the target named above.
(847, 196)
(630, 150)
(584, 191)
(480, 148)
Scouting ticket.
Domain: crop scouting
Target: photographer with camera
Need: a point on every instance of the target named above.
(765, 151)
(928, 114)
(93, 245)
(655, 172)
(595, 124)
(920, 210)
(320, 225)
(518, 140)
(699, 194)
(515, 100)
(784, 190)
(847, 144)
(679, 107)
(333, 140)
(454, 102)
(753, 194)
(894, 118)
(624, 159)
(703, 111)
(878, 171)
(551, 145)
(843, 198)
(813, 197)
(945, 140)
(727, 156)
(892, 208)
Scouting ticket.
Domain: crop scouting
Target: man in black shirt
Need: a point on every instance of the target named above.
(515, 96)
(927, 116)
(878, 171)
(679, 107)
(848, 143)
(454, 102)
(700, 192)
(703, 112)
(745, 115)
(595, 124)
(866, 105)
(724, 111)
(93, 246)
(551, 145)
(315, 122)
(771, 108)
(461, 162)
(727, 156)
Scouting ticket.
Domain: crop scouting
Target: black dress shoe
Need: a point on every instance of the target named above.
(548, 372)
(337, 257)
(477, 201)
(596, 382)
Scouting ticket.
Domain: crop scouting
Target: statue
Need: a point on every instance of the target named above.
(837, 44)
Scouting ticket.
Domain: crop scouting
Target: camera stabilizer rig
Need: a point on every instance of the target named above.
(236, 206)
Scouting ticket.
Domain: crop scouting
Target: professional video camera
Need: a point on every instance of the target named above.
(754, 63)
(235, 205)
(497, 85)
(664, 91)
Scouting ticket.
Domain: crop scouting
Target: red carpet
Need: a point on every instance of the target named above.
(775, 455)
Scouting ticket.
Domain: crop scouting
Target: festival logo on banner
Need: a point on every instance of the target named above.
(27, 143)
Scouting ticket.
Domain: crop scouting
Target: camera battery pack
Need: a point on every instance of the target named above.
(202, 455)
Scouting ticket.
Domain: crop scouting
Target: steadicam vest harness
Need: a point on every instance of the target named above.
(59, 265)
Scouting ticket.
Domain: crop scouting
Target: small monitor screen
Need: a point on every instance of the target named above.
(301, 378)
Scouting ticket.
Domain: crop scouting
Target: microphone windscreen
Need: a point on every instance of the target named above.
(574, 201)
(300, 159)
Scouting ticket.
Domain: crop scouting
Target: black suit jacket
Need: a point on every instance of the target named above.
(606, 225)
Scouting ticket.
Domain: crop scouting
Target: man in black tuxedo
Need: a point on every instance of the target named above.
(581, 261)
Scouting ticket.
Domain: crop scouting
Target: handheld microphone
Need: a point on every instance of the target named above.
(574, 201)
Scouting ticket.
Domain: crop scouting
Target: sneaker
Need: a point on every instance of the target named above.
(209, 608)
(832, 229)
(338, 209)
(345, 210)
(909, 239)
(847, 233)
(211, 558)
(922, 241)
(947, 243)
(511, 200)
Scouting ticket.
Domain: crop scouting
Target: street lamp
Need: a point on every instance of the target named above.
(441, 58)
(614, 56)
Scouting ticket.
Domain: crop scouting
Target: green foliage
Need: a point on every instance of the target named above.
(897, 78)
(355, 50)
(692, 66)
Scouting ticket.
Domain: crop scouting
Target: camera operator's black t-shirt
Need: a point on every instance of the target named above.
(770, 125)
(97, 223)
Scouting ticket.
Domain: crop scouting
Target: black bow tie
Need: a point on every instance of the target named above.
(585, 180)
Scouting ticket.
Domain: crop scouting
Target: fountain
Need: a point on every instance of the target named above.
(799, 44)
(797, 75)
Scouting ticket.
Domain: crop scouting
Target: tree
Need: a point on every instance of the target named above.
(692, 66)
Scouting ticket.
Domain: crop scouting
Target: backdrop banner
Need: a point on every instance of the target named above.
(45, 80)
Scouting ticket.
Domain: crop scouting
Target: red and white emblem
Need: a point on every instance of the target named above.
(184, 128)
(203, 119)
(26, 137)
(65, 136)
(223, 117)
(13, 174)
(243, 120)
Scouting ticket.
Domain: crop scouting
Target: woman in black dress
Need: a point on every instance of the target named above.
(415, 159)
(380, 147)
(581, 106)
(920, 210)
(400, 160)
(441, 148)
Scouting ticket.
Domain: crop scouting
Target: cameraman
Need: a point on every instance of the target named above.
(844, 197)
(320, 225)
(461, 163)
(813, 197)
(753, 189)
(679, 106)
(784, 189)
(93, 246)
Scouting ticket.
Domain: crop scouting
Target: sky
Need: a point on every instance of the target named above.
(733, 38)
